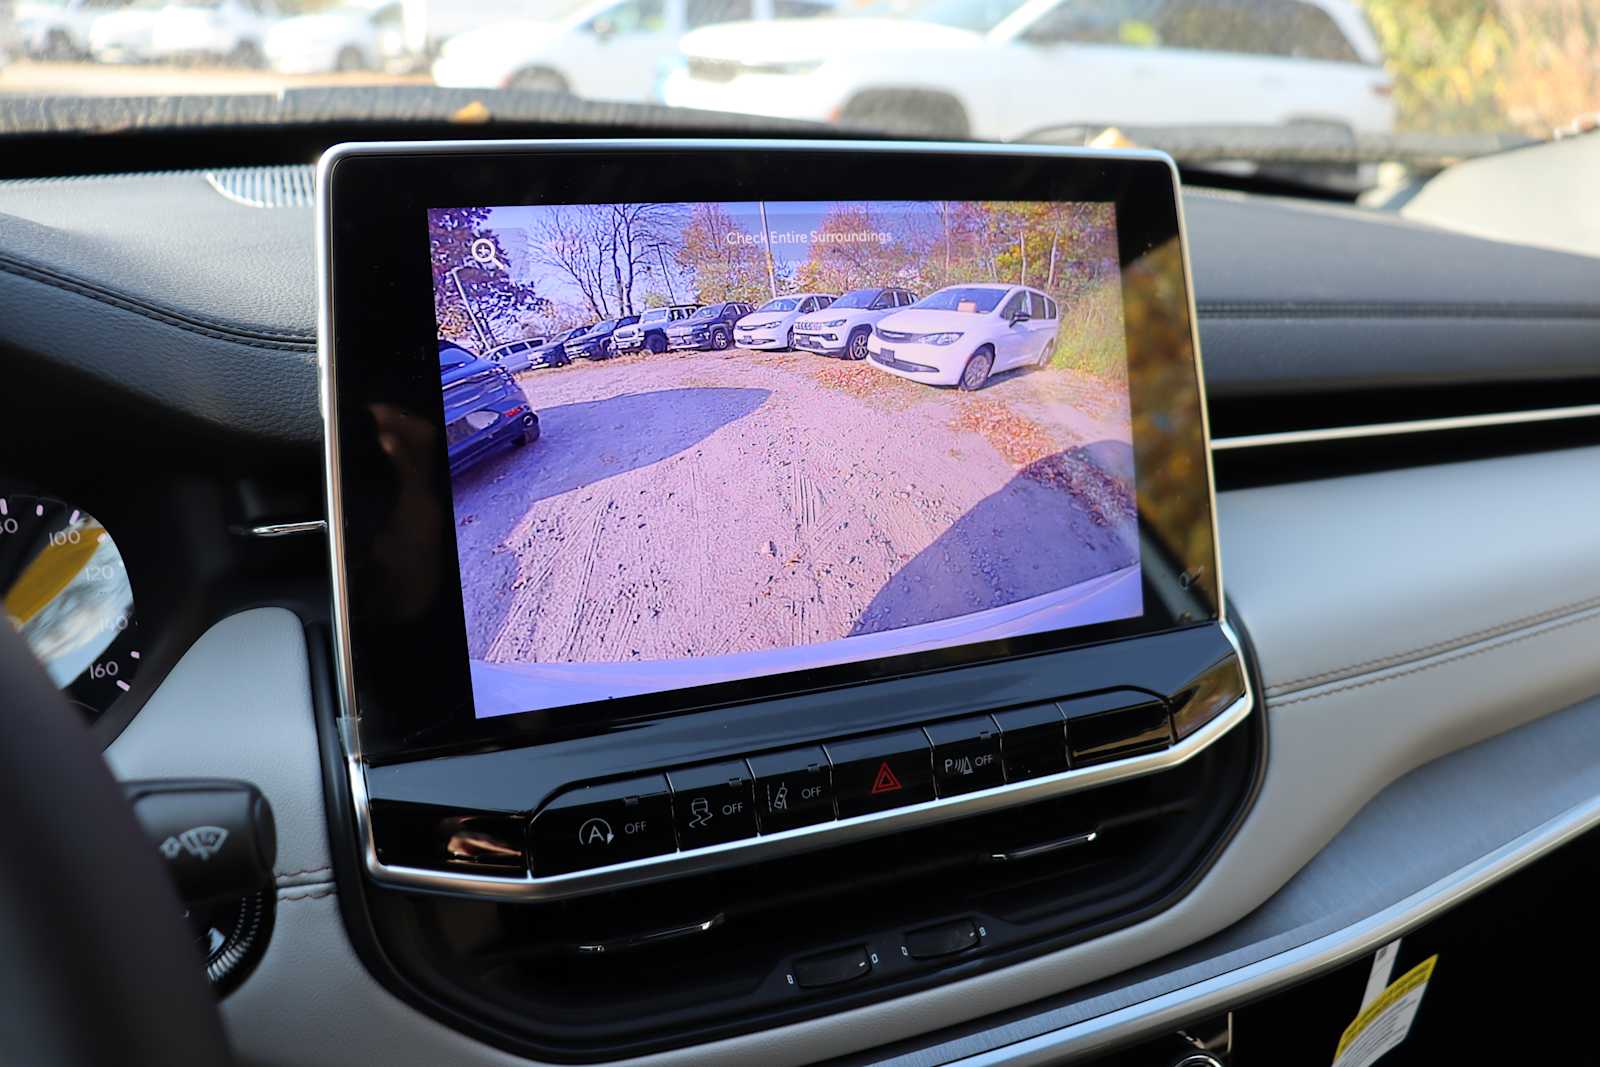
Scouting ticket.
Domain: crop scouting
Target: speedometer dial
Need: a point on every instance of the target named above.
(66, 591)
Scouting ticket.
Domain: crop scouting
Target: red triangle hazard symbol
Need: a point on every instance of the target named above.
(885, 782)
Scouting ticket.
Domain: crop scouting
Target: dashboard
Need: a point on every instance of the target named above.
(1402, 425)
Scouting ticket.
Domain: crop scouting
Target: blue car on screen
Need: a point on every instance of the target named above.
(484, 411)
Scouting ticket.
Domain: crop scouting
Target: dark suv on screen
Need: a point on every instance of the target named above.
(710, 327)
(595, 342)
(484, 411)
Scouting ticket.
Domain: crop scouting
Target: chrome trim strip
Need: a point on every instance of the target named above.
(1169, 1011)
(787, 842)
(282, 529)
(1390, 429)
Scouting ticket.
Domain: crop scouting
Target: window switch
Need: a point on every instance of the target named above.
(942, 939)
(831, 968)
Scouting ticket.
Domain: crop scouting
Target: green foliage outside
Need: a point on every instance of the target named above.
(1463, 66)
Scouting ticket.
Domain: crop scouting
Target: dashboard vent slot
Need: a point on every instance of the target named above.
(292, 185)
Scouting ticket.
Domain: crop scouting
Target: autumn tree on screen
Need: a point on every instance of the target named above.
(476, 304)
(724, 260)
(612, 254)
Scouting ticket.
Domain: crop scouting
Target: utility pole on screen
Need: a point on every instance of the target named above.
(766, 240)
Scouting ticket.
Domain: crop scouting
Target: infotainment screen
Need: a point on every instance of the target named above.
(623, 430)
(696, 442)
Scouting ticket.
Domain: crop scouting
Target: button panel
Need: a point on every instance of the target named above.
(881, 772)
(1033, 741)
(794, 788)
(713, 803)
(1115, 725)
(696, 807)
(598, 825)
(966, 755)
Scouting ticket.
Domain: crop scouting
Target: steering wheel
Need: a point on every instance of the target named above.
(97, 965)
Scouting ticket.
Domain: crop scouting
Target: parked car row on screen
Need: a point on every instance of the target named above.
(962, 334)
(484, 411)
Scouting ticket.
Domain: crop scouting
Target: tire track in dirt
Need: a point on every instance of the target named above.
(582, 603)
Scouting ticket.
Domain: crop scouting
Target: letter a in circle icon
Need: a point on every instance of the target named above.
(885, 782)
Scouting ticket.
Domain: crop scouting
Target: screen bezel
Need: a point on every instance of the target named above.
(401, 634)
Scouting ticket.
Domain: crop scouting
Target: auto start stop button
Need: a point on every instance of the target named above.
(599, 825)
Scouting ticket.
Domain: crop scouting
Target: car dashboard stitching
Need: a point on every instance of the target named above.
(1591, 616)
(318, 894)
(255, 338)
(1449, 643)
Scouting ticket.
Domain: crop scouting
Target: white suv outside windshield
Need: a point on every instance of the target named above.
(1289, 86)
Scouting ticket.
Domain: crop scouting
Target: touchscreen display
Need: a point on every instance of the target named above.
(692, 443)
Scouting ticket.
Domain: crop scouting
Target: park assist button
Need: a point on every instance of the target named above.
(713, 804)
(793, 788)
(966, 755)
(877, 773)
(598, 825)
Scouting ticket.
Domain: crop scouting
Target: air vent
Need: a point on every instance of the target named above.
(265, 187)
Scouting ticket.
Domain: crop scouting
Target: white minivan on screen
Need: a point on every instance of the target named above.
(962, 334)
(772, 324)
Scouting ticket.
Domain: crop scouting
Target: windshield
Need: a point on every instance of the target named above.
(979, 16)
(1366, 95)
(856, 298)
(974, 299)
(710, 311)
(783, 303)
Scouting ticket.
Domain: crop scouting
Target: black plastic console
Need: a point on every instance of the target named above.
(852, 910)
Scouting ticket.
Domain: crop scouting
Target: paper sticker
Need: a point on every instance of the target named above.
(1382, 968)
(1386, 1021)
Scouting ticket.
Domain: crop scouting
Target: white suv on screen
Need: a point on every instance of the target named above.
(772, 324)
(1005, 69)
(842, 328)
(962, 334)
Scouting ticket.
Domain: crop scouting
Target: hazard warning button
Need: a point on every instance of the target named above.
(880, 772)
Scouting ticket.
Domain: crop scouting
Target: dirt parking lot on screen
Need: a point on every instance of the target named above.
(708, 503)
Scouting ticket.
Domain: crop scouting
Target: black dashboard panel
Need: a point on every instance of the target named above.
(230, 345)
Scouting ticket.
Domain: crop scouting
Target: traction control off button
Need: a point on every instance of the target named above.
(713, 803)
(599, 825)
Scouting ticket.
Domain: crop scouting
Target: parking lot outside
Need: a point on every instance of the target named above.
(707, 503)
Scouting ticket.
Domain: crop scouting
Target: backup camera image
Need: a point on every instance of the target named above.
(697, 442)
